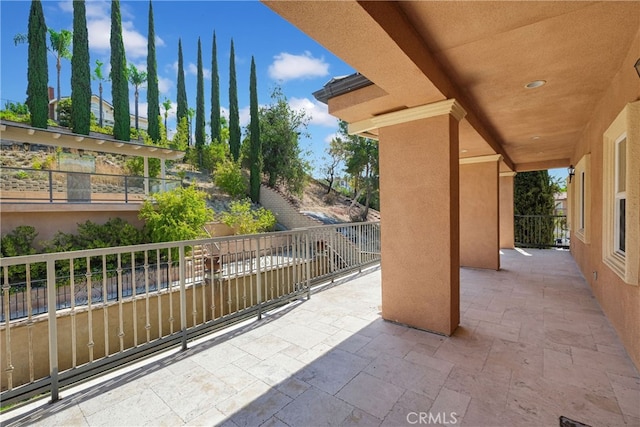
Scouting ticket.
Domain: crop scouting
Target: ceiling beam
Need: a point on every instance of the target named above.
(390, 17)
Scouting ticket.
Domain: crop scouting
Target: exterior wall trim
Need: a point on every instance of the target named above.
(449, 106)
(482, 159)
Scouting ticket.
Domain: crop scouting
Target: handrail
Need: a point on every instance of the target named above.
(54, 186)
(113, 305)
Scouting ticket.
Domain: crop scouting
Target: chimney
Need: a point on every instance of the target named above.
(51, 93)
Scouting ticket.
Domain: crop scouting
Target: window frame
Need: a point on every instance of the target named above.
(625, 128)
(582, 198)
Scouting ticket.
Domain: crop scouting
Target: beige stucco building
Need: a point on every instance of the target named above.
(461, 96)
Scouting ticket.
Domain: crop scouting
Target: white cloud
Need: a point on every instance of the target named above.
(317, 111)
(244, 115)
(98, 15)
(193, 69)
(164, 85)
(135, 44)
(287, 66)
(330, 137)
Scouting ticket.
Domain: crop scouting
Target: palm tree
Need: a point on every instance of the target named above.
(60, 47)
(137, 78)
(166, 104)
(97, 75)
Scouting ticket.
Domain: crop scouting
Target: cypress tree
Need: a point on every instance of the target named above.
(182, 110)
(153, 95)
(199, 132)
(119, 81)
(215, 93)
(80, 72)
(234, 116)
(254, 130)
(37, 71)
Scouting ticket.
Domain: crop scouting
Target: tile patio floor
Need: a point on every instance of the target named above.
(533, 345)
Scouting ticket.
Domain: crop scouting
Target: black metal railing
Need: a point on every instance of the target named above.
(541, 231)
(50, 186)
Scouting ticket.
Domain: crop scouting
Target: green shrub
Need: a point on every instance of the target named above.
(21, 175)
(229, 178)
(13, 117)
(65, 109)
(213, 155)
(20, 242)
(179, 214)
(245, 220)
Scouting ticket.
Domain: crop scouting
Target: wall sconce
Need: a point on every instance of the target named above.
(637, 66)
(572, 172)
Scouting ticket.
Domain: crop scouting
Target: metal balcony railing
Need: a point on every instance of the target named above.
(541, 231)
(69, 316)
(47, 186)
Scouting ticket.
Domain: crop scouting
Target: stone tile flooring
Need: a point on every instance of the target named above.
(533, 345)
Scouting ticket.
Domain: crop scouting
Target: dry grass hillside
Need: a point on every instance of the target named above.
(316, 202)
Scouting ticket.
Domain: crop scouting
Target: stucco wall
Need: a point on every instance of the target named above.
(48, 219)
(286, 214)
(479, 215)
(619, 301)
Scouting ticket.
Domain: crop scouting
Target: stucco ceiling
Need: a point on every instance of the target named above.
(483, 54)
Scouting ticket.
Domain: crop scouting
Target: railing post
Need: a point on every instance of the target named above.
(126, 189)
(183, 296)
(53, 328)
(359, 247)
(259, 279)
(308, 261)
(50, 186)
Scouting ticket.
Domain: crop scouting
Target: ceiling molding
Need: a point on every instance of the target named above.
(449, 106)
(481, 159)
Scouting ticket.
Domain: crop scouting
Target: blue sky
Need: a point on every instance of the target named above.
(284, 55)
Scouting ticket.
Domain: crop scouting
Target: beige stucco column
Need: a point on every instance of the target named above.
(420, 231)
(506, 210)
(479, 212)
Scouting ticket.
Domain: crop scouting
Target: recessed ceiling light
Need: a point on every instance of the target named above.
(535, 138)
(534, 84)
(463, 151)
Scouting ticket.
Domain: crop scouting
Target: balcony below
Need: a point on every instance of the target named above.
(533, 345)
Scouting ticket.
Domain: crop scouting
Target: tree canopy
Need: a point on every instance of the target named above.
(215, 94)
(255, 176)
(280, 131)
(234, 115)
(119, 84)
(37, 73)
(183, 106)
(153, 95)
(200, 121)
(80, 72)
(361, 163)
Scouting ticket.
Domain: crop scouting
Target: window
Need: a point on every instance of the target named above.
(582, 198)
(621, 188)
(620, 195)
